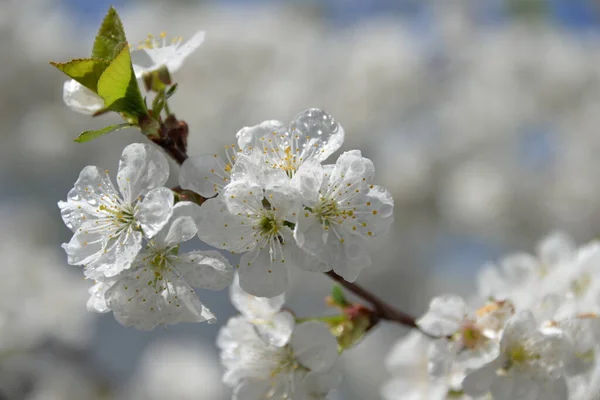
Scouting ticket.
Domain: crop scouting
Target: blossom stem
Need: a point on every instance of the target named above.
(382, 310)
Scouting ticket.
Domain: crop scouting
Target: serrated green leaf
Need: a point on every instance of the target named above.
(90, 135)
(111, 37)
(86, 71)
(118, 86)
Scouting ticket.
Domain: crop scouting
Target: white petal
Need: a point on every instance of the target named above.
(310, 235)
(285, 201)
(515, 386)
(554, 389)
(375, 214)
(252, 389)
(254, 307)
(117, 255)
(204, 174)
(314, 346)
(91, 189)
(262, 273)
(221, 229)
(308, 180)
(84, 247)
(444, 316)
(479, 381)
(351, 167)
(97, 300)
(181, 226)
(256, 137)
(519, 268)
(81, 99)
(141, 169)
(322, 383)
(518, 328)
(348, 253)
(318, 134)
(154, 211)
(138, 301)
(205, 269)
(407, 354)
(276, 330)
(251, 168)
(243, 198)
(174, 63)
(301, 258)
(556, 248)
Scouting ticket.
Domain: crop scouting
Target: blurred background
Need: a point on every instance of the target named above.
(481, 117)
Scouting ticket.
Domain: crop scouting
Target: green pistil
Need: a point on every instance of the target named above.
(268, 225)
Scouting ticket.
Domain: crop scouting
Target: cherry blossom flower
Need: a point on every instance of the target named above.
(162, 52)
(530, 366)
(247, 218)
(342, 209)
(108, 227)
(301, 368)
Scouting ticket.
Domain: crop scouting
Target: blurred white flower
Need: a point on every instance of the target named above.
(164, 53)
(530, 365)
(182, 369)
(257, 369)
(81, 99)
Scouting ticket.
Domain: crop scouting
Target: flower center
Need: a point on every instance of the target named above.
(159, 260)
(519, 355)
(580, 286)
(268, 225)
(121, 216)
(328, 212)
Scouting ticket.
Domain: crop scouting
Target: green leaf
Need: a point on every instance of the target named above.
(111, 37)
(337, 294)
(90, 135)
(118, 87)
(86, 71)
(171, 91)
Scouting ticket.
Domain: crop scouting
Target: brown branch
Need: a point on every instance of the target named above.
(382, 310)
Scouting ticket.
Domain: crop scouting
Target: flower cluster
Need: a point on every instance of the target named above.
(129, 244)
(280, 206)
(533, 333)
(268, 356)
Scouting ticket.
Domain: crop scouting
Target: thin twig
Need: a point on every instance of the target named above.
(382, 309)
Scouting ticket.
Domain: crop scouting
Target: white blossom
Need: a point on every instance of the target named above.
(108, 227)
(312, 135)
(342, 209)
(158, 288)
(247, 218)
(530, 366)
(408, 362)
(163, 53)
(298, 369)
(81, 99)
